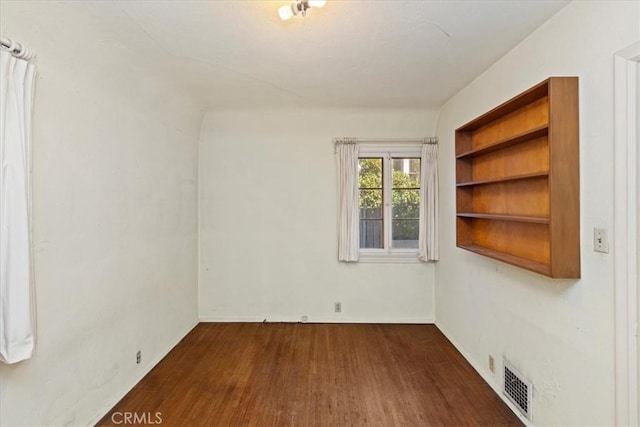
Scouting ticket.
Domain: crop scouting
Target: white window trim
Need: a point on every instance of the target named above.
(402, 256)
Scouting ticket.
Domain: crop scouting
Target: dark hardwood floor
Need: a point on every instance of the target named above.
(253, 374)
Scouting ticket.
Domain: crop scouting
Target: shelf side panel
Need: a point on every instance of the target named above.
(564, 176)
(464, 199)
(464, 232)
(463, 142)
(464, 169)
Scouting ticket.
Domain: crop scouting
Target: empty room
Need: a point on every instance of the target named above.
(319, 213)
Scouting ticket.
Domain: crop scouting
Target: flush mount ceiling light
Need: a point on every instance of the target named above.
(299, 7)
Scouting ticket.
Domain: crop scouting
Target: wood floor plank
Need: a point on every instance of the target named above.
(253, 374)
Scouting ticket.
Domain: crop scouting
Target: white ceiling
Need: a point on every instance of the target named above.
(375, 54)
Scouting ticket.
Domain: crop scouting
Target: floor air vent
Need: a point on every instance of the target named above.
(517, 389)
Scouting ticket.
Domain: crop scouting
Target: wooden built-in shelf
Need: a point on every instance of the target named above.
(505, 179)
(528, 135)
(517, 181)
(528, 264)
(499, 217)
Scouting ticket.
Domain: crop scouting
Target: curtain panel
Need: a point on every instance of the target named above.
(428, 237)
(348, 198)
(17, 293)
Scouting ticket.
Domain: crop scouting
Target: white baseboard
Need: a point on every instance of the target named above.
(416, 321)
(485, 376)
(136, 379)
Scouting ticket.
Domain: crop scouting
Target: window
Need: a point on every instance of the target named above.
(389, 202)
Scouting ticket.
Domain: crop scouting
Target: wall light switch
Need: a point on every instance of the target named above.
(600, 241)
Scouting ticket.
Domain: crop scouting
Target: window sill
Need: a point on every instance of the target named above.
(386, 258)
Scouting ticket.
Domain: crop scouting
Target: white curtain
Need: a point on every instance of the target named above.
(17, 296)
(348, 197)
(428, 238)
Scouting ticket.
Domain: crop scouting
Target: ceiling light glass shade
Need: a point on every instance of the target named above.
(317, 3)
(285, 13)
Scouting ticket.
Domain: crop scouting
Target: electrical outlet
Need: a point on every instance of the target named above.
(492, 365)
(338, 307)
(138, 357)
(304, 319)
(600, 241)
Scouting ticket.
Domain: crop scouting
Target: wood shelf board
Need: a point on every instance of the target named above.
(527, 97)
(505, 179)
(510, 259)
(498, 217)
(529, 135)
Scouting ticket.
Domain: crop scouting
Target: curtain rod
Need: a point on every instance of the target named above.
(428, 140)
(16, 49)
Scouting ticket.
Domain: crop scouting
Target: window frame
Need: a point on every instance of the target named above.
(388, 254)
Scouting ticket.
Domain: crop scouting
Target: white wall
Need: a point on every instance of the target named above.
(115, 225)
(559, 333)
(268, 221)
(638, 239)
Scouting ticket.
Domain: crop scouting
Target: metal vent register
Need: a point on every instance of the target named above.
(517, 389)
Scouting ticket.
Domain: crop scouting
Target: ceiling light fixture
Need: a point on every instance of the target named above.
(299, 7)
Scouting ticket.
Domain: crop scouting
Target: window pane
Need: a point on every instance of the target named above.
(406, 204)
(405, 233)
(406, 172)
(371, 236)
(371, 204)
(370, 173)
(371, 207)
